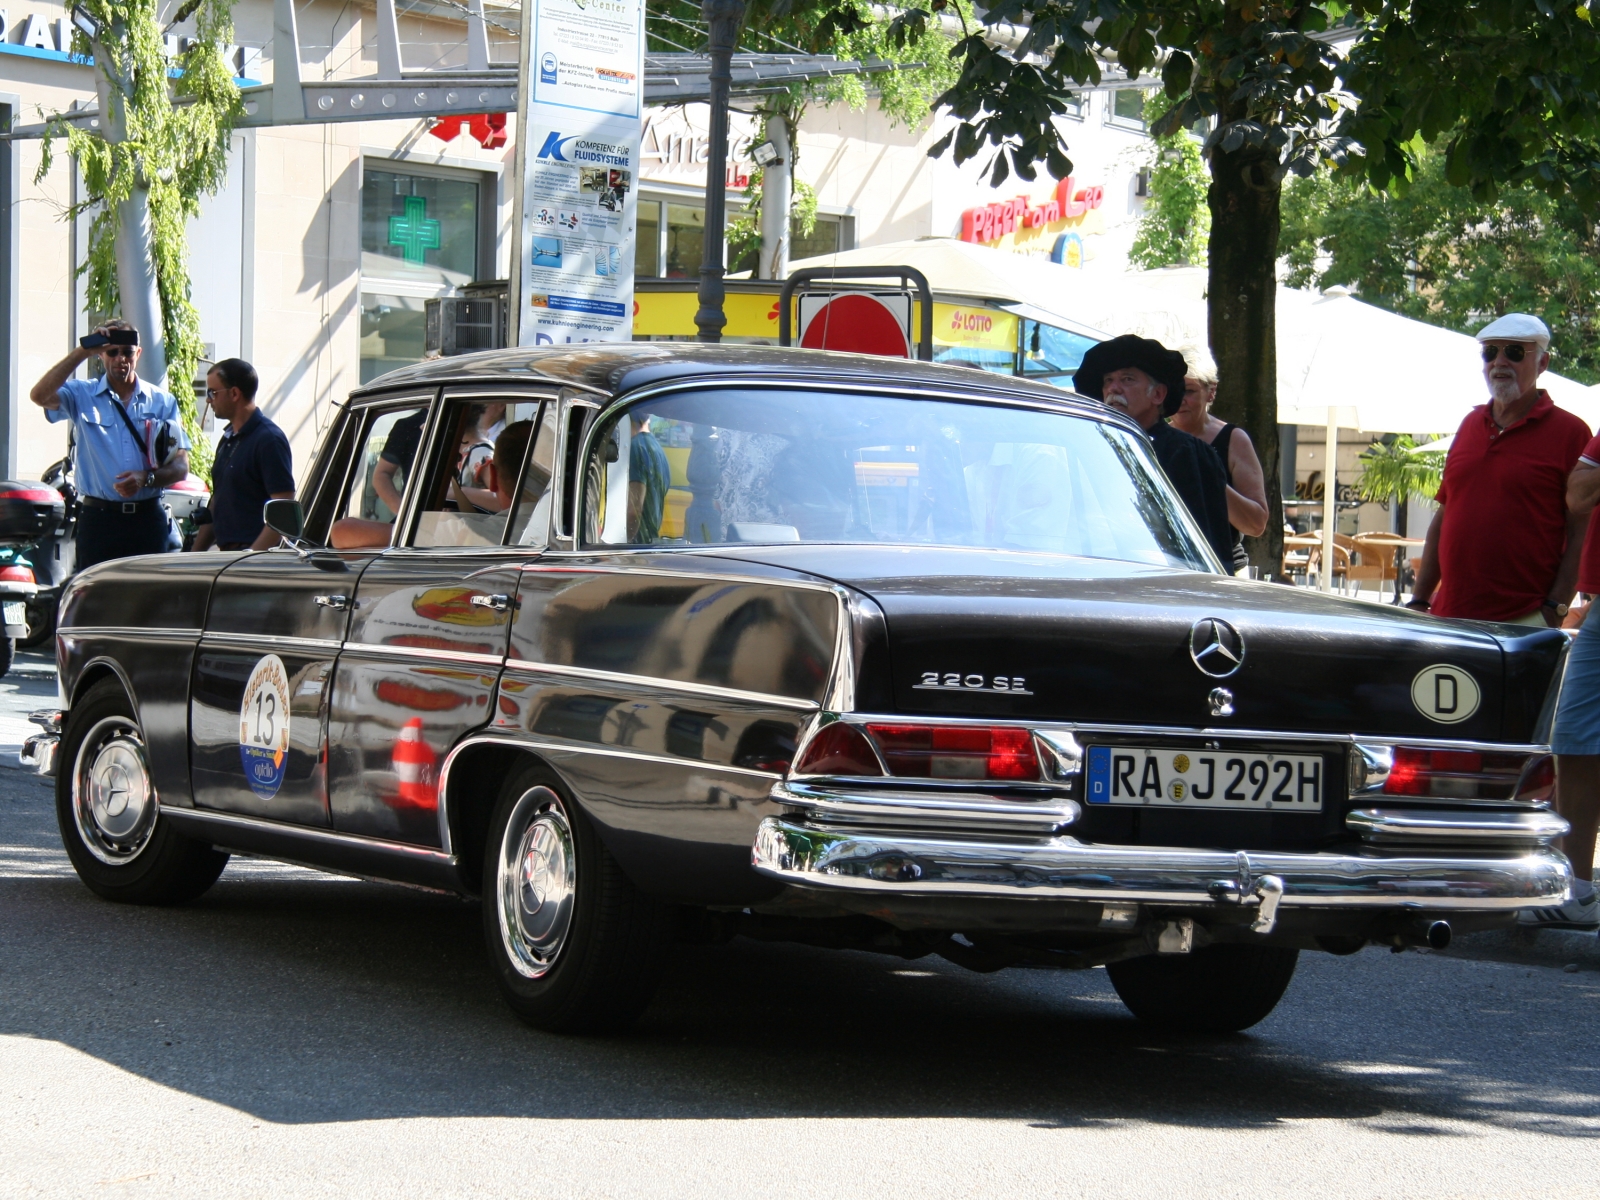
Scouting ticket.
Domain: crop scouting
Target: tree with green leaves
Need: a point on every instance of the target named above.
(161, 144)
(1508, 89)
(1432, 251)
(1175, 227)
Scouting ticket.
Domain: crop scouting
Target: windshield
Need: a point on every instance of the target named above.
(744, 465)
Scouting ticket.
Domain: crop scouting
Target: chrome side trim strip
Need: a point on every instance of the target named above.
(131, 631)
(324, 849)
(884, 864)
(561, 562)
(256, 641)
(1383, 826)
(465, 657)
(657, 683)
(695, 764)
(968, 811)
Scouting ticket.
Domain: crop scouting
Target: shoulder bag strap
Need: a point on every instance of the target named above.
(128, 421)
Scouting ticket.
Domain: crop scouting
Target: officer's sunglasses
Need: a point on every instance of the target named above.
(118, 351)
(1515, 352)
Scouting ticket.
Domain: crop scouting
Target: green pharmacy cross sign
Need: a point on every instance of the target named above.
(415, 232)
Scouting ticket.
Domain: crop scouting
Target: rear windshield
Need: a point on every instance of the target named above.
(740, 465)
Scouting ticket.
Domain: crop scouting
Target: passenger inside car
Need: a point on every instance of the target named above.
(469, 523)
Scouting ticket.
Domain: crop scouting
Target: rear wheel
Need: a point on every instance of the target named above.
(110, 816)
(41, 621)
(576, 948)
(1218, 989)
(8, 653)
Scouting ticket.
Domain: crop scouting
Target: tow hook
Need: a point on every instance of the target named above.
(1245, 889)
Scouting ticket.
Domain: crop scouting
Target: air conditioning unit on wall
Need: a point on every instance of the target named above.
(474, 320)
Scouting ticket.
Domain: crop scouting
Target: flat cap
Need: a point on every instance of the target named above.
(1130, 350)
(1516, 327)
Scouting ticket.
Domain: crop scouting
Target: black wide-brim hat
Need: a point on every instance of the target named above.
(1130, 350)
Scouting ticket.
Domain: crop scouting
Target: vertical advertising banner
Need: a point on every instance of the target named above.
(581, 127)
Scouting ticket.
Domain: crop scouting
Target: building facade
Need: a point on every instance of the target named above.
(317, 257)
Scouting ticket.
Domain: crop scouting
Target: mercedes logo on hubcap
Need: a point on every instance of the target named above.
(1216, 647)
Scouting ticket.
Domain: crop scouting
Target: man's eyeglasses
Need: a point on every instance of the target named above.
(1515, 352)
(211, 393)
(118, 351)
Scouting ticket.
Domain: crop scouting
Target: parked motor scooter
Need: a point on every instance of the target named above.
(28, 511)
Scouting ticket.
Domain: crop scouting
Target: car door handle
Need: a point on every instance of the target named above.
(333, 602)
(498, 603)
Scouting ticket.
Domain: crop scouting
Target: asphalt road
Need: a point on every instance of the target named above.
(294, 1034)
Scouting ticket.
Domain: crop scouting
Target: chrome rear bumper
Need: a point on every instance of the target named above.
(39, 749)
(835, 859)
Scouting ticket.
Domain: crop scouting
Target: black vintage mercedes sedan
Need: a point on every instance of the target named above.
(644, 643)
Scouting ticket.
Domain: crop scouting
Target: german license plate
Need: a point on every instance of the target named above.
(14, 612)
(1140, 775)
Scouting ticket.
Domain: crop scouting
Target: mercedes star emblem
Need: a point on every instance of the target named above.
(1216, 647)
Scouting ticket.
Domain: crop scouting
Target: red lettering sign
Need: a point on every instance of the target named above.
(991, 222)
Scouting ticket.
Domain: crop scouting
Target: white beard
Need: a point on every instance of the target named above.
(1507, 391)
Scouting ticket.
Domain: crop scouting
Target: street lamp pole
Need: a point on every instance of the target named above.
(723, 18)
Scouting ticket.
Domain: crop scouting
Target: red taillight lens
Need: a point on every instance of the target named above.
(838, 749)
(957, 751)
(1538, 779)
(32, 495)
(16, 575)
(1461, 774)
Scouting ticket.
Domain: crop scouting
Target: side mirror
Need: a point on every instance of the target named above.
(285, 518)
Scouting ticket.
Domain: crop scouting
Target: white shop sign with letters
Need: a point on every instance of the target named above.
(581, 130)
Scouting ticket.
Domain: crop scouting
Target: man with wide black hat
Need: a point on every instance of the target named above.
(1142, 379)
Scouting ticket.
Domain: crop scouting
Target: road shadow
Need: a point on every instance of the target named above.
(300, 998)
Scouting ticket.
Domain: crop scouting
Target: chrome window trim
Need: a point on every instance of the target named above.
(660, 683)
(563, 557)
(463, 657)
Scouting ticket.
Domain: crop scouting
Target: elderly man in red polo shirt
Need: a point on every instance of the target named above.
(1504, 546)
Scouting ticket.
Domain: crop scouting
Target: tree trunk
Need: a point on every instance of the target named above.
(1242, 314)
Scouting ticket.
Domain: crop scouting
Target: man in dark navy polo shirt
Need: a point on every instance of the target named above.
(253, 464)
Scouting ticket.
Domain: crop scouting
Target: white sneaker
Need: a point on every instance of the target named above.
(1582, 915)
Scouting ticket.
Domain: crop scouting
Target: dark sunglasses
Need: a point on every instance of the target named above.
(1515, 352)
(118, 351)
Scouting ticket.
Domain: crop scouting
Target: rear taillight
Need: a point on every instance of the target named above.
(15, 574)
(1468, 774)
(957, 751)
(838, 749)
(32, 495)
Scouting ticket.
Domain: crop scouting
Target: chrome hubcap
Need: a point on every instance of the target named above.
(113, 800)
(538, 882)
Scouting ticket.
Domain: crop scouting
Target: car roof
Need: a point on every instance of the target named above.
(613, 368)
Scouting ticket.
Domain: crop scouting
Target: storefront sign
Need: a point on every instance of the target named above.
(584, 100)
(1021, 220)
(975, 328)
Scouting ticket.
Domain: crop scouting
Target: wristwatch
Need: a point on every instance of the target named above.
(1561, 609)
(149, 479)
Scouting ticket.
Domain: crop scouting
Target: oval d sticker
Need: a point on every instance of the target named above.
(1445, 694)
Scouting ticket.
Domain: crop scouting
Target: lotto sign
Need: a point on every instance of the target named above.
(264, 727)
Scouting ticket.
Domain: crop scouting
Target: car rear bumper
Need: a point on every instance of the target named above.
(832, 859)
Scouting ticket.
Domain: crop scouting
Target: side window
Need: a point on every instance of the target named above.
(636, 489)
(322, 492)
(384, 463)
(530, 521)
(472, 485)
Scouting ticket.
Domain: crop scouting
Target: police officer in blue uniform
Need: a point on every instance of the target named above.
(130, 445)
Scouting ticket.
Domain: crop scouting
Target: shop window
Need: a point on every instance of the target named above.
(1127, 108)
(421, 236)
(648, 240)
(686, 239)
(825, 238)
(1077, 104)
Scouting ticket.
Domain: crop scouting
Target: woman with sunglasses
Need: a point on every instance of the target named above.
(124, 457)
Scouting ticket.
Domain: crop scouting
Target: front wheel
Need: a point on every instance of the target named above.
(110, 816)
(1217, 989)
(576, 948)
